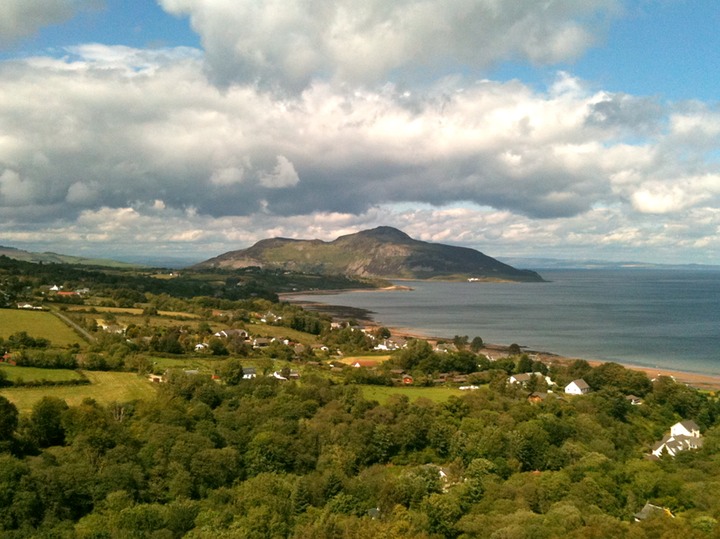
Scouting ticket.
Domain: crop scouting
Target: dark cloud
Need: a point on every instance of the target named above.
(637, 115)
(20, 18)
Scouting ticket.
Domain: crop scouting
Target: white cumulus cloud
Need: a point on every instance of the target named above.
(288, 43)
(283, 175)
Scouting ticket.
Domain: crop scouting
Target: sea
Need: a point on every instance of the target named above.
(665, 318)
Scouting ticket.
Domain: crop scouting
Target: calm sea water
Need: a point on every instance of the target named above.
(664, 318)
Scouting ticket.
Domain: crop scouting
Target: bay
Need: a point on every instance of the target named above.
(651, 317)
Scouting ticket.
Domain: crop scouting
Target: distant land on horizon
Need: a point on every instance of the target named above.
(180, 262)
(383, 252)
(561, 263)
(55, 258)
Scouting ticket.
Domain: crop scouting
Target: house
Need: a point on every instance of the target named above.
(232, 333)
(683, 436)
(650, 510)
(7, 358)
(261, 342)
(407, 379)
(388, 345)
(577, 387)
(293, 375)
(525, 377)
(537, 397)
(685, 428)
(156, 378)
(201, 347)
(112, 328)
(633, 400)
(28, 306)
(369, 363)
(445, 348)
(249, 373)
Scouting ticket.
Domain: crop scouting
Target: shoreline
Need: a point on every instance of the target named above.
(702, 381)
(705, 382)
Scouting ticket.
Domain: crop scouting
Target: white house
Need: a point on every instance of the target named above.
(685, 428)
(525, 377)
(683, 436)
(391, 344)
(229, 333)
(577, 387)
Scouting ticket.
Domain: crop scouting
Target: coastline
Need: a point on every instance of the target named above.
(706, 382)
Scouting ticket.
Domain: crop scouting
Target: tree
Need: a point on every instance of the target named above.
(524, 364)
(8, 419)
(514, 349)
(461, 341)
(232, 372)
(417, 351)
(476, 344)
(217, 347)
(382, 333)
(46, 421)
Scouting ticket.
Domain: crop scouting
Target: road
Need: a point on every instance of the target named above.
(82, 331)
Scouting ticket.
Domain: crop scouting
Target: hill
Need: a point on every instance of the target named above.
(54, 258)
(383, 252)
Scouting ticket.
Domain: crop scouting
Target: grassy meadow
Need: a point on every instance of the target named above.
(435, 394)
(201, 364)
(104, 387)
(37, 324)
(32, 374)
(349, 360)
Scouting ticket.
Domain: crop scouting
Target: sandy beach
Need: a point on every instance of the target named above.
(706, 382)
(698, 380)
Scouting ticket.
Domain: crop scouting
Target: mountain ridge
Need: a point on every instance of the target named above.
(48, 257)
(382, 252)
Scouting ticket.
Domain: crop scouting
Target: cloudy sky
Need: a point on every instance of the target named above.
(557, 128)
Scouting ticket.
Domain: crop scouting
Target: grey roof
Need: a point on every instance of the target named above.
(649, 510)
(690, 425)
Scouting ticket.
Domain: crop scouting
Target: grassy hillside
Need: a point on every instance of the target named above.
(37, 324)
(104, 387)
(383, 252)
(55, 258)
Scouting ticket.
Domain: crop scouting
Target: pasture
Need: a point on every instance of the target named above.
(201, 364)
(435, 394)
(105, 388)
(377, 359)
(135, 311)
(37, 324)
(33, 374)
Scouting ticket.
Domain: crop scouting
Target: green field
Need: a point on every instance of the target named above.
(37, 324)
(201, 364)
(436, 394)
(32, 374)
(349, 360)
(105, 387)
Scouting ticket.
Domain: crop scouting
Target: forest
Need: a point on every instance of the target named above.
(209, 453)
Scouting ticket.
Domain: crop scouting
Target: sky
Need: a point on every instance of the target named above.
(571, 129)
